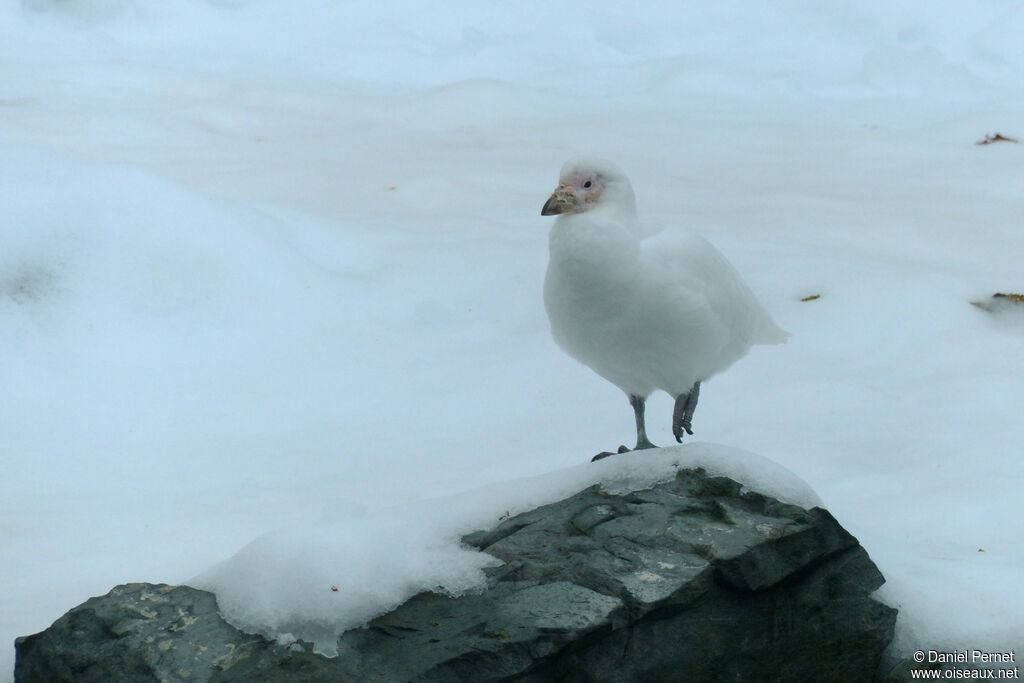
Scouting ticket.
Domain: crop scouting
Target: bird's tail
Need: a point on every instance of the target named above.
(771, 333)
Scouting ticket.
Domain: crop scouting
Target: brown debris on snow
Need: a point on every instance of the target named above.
(997, 137)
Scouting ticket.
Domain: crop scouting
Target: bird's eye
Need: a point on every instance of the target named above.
(587, 184)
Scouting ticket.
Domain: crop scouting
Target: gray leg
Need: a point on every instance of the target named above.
(682, 415)
(641, 430)
(642, 441)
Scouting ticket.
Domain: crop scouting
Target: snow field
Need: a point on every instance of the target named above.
(270, 282)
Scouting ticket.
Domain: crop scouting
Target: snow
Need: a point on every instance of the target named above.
(269, 270)
(291, 584)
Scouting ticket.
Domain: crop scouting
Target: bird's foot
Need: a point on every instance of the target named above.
(682, 414)
(604, 454)
(643, 445)
(684, 427)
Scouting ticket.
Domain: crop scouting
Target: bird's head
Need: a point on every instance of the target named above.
(586, 184)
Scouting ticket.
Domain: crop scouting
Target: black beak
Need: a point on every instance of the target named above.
(552, 206)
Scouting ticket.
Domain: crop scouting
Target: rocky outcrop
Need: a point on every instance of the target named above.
(692, 580)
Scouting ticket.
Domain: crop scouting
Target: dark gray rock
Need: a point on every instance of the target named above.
(689, 581)
(146, 632)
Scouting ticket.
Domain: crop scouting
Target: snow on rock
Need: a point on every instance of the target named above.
(690, 575)
(317, 580)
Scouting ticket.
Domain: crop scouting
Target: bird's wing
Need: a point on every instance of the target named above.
(703, 278)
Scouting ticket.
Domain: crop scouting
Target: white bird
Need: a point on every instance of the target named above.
(666, 312)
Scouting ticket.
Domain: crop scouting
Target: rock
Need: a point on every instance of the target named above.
(146, 632)
(692, 580)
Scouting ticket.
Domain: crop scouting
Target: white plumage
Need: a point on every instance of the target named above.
(666, 312)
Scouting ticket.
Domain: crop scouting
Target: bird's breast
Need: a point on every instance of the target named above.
(589, 308)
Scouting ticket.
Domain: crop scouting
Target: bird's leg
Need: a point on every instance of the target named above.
(682, 414)
(642, 441)
(641, 430)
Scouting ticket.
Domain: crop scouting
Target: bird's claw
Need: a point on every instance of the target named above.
(682, 414)
(604, 454)
(677, 431)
